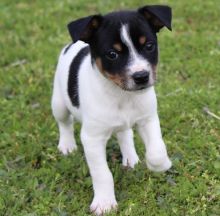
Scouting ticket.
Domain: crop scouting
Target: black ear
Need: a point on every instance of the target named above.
(84, 28)
(158, 16)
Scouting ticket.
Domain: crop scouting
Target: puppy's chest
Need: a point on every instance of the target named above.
(125, 114)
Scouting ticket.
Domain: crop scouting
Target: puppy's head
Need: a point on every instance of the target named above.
(124, 44)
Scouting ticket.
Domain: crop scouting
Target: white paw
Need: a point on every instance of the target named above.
(159, 164)
(67, 146)
(130, 161)
(101, 206)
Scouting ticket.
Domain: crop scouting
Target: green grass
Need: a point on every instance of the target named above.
(36, 180)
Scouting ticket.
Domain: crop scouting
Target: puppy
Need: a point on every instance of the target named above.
(105, 79)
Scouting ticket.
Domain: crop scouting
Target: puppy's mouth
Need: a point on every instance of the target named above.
(141, 88)
(138, 88)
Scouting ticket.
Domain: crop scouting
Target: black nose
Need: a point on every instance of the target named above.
(141, 77)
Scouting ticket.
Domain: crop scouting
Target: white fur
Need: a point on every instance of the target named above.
(106, 109)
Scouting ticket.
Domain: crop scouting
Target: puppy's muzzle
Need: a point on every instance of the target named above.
(141, 77)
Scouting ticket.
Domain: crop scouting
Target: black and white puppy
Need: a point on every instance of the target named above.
(105, 79)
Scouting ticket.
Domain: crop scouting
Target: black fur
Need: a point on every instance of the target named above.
(67, 48)
(73, 75)
(157, 15)
(84, 28)
(103, 40)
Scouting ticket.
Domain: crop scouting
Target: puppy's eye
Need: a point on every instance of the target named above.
(111, 55)
(150, 46)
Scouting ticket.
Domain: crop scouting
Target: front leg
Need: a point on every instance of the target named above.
(156, 153)
(126, 143)
(103, 185)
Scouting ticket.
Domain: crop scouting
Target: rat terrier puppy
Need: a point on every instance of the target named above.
(105, 79)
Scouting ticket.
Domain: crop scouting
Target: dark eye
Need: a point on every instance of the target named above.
(150, 46)
(111, 55)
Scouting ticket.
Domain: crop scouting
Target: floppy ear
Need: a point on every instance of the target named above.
(158, 16)
(84, 28)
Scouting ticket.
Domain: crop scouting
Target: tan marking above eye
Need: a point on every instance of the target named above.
(117, 47)
(142, 40)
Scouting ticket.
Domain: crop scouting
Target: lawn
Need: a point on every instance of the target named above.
(35, 179)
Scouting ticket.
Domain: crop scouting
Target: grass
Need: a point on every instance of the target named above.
(36, 180)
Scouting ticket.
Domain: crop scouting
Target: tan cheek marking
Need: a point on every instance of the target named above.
(142, 40)
(99, 65)
(115, 78)
(118, 47)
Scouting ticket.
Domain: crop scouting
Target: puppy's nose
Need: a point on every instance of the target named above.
(141, 77)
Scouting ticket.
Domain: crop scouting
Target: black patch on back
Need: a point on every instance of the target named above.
(67, 48)
(73, 75)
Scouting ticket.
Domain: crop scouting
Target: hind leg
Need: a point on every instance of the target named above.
(64, 119)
